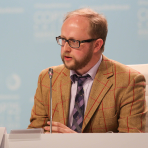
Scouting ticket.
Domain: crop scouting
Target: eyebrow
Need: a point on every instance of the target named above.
(71, 38)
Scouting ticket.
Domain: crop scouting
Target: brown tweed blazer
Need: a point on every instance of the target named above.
(116, 102)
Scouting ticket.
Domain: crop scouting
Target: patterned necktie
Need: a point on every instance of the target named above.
(78, 112)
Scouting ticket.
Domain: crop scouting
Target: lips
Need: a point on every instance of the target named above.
(67, 58)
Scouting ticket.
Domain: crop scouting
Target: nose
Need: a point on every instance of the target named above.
(66, 47)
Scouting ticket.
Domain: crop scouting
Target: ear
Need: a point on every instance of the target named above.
(98, 45)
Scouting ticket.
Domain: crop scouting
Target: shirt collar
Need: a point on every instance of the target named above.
(92, 72)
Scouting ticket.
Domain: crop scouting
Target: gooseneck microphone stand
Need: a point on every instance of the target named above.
(50, 72)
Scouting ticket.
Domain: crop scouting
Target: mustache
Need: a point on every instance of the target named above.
(66, 55)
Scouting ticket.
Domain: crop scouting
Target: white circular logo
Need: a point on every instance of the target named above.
(13, 82)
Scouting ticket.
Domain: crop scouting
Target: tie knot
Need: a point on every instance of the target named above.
(80, 79)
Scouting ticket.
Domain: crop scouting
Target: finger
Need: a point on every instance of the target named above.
(58, 124)
(54, 129)
(61, 130)
(48, 122)
(59, 127)
(47, 128)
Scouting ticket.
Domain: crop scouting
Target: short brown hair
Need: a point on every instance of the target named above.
(98, 23)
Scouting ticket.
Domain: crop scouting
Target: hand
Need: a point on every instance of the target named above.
(58, 128)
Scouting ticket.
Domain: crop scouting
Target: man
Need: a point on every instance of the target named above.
(112, 96)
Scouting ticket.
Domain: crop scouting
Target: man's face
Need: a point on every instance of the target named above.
(77, 28)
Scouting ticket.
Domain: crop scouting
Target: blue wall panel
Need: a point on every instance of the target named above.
(27, 45)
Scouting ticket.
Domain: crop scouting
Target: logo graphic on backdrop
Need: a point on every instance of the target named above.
(143, 18)
(47, 18)
(10, 106)
(10, 115)
(9, 10)
(111, 7)
(13, 82)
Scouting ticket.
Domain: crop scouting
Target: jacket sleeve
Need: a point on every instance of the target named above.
(39, 116)
(133, 107)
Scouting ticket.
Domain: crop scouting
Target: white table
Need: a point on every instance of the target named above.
(98, 140)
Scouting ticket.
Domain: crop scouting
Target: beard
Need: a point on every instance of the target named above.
(78, 64)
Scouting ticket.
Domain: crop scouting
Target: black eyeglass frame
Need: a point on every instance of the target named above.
(83, 41)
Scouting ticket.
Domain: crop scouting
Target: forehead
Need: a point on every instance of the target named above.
(75, 27)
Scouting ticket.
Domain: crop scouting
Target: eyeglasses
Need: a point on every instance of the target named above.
(72, 43)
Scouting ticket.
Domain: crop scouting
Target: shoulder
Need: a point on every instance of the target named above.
(120, 73)
(119, 68)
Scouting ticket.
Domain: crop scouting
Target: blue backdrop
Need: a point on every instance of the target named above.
(27, 45)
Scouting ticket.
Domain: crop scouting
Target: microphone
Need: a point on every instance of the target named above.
(50, 72)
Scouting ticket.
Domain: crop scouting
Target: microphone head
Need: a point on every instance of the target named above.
(50, 72)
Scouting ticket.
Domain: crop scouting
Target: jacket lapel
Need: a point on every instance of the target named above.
(100, 87)
(64, 88)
